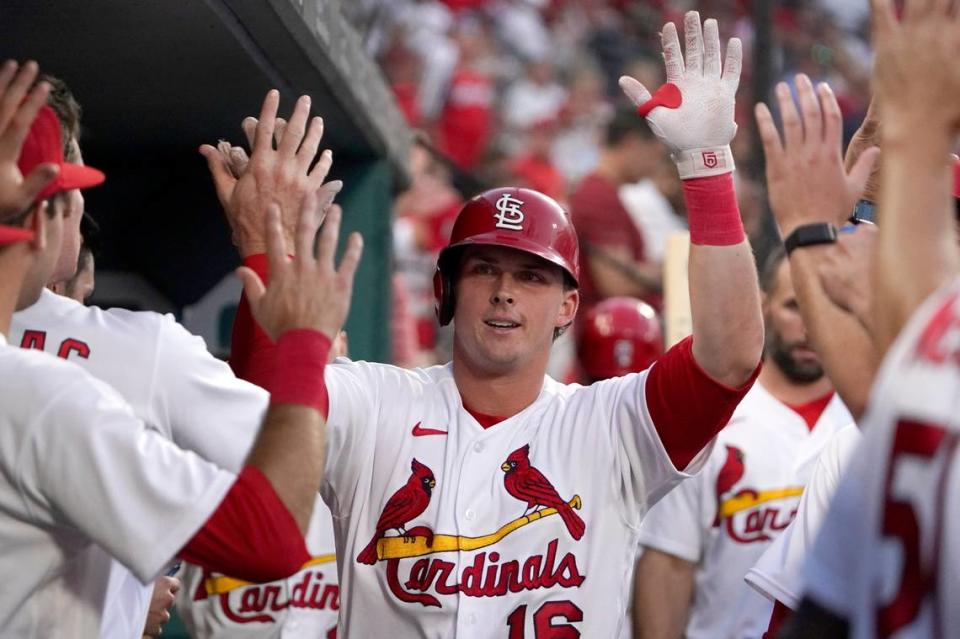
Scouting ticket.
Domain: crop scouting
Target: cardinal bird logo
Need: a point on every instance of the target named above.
(405, 505)
(731, 472)
(528, 484)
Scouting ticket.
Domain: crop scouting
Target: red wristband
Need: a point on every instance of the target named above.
(298, 372)
(712, 211)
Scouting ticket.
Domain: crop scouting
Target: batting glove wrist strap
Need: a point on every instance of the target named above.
(705, 162)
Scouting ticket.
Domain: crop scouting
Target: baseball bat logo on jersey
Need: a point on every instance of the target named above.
(748, 515)
(488, 575)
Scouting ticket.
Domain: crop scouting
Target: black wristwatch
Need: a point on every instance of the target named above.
(810, 235)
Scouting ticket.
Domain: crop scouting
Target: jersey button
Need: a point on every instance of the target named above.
(478, 447)
(470, 514)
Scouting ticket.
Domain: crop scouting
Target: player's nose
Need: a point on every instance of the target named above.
(501, 292)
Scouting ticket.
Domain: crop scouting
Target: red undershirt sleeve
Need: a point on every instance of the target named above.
(688, 407)
(254, 356)
(251, 535)
(778, 619)
(252, 352)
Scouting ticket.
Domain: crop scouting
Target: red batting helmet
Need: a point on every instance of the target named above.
(517, 218)
(619, 335)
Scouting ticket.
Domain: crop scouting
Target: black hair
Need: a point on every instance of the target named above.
(768, 272)
(626, 122)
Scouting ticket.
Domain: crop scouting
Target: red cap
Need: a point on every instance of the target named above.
(43, 144)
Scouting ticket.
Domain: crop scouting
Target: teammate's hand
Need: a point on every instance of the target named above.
(165, 591)
(916, 74)
(846, 273)
(865, 137)
(805, 176)
(18, 108)
(304, 291)
(695, 118)
(281, 176)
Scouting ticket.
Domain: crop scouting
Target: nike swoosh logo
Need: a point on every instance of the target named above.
(422, 432)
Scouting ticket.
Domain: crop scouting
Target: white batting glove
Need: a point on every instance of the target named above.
(693, 113)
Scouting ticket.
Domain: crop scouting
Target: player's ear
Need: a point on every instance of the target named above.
(568, 308)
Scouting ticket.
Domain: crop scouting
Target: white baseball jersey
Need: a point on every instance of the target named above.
(888, 555)
(723, 519)
(215, 606)
(525, 529)
(172, 383)
(778, 574)
(80, 473)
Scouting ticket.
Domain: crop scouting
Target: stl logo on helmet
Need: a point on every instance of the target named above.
(509, 216)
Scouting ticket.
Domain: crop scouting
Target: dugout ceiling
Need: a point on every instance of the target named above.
(157, 78)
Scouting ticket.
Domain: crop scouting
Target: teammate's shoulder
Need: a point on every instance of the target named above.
(35, 378)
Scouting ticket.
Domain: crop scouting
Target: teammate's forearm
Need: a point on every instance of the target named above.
(846, 350)
(918, 247)
(289, 450)
(662, 594)
(724, 294)
(252, 352)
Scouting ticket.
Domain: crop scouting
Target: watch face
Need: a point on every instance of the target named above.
(864, 211)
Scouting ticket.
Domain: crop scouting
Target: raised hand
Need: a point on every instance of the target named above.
(305, 291)
(916, 75)
(19, 105)
(806, 179)
(281, 175)
(693, 113)
(845, 270)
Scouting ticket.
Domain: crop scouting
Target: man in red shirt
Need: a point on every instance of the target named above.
(616, 263)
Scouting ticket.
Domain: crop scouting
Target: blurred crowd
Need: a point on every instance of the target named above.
(524, 93)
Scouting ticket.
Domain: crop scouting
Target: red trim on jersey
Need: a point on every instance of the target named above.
(298, 378)
(251, 535)
(712, 211)
(257, 359)
(486, 421)
(688, 407)
(778, 619)
(811, 411)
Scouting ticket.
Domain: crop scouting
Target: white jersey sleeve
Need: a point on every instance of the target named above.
(166, 374)
(640, 459)
(778, 574)
(678, 523)
(208, 409)
(87, 462)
